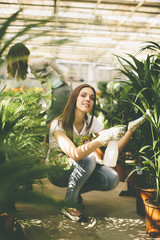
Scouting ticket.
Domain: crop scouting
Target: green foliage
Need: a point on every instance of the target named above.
(21, 120)
(115, 106)
(106, 104)
(22, 147)
(144, 78)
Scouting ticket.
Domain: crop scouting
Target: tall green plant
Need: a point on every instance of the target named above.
(144, 77)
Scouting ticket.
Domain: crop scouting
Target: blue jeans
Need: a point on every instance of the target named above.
(86, 176)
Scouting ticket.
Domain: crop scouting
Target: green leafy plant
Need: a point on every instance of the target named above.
(22, 148)
(144, 78)
(22, 158)
(21, 119)
(112, 103)
(114, 107)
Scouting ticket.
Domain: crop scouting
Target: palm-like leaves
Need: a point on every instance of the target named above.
(149, 45)
(3, 29)
(144, 77)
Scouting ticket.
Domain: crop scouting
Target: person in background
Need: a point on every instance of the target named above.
(46, 69)
(15, 66)
(34, 73)
(72, 147)
(17, 61)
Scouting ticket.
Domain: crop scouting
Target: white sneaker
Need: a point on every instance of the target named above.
(74, 214)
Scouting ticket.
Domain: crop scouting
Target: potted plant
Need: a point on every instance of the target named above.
(144, 77)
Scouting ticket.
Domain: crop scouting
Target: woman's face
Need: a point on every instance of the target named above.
(85, 100)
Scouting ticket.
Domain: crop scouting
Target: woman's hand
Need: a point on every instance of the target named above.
(112, 134)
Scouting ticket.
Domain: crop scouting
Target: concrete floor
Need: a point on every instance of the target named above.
(110, 217)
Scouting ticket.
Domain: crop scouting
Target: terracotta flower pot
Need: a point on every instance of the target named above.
(152, 219)
(141, 195)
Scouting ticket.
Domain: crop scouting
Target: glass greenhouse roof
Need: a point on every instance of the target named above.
(88, 30)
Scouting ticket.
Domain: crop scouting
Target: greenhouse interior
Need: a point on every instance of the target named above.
(79, 119)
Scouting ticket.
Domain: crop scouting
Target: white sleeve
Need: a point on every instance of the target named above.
(39, 65)
(50, 62)
(54, 126)
(52, 141)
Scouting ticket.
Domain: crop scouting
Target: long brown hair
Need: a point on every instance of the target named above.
(17, 61)
(68, 115)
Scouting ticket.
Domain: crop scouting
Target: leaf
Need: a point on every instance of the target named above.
(20, 32)
(150, 162)
(144, 148)
(155, 143)
(151, 46)
(7, 24)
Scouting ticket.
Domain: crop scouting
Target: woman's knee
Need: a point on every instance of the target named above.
(109, 179)
(114, 180)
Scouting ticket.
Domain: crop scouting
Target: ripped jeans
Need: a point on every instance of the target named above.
(86, 175)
